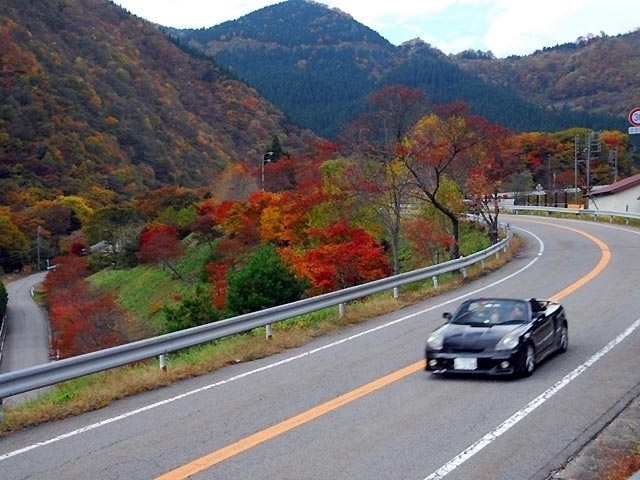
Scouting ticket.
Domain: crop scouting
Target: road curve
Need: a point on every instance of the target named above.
(357, 404)
(27, 339)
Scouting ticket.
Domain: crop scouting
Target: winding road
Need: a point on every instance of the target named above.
(27, 338)
(358, 405)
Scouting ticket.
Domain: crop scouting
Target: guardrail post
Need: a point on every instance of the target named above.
(482, 264)
(396, 291)
(269, 333)
(341, 310)
(435, 281)
(163, 362)
(464, 272)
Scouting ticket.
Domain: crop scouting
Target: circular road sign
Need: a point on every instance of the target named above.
(634, 117)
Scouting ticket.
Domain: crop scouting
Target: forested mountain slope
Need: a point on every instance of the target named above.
(318, 65)
(97, 102)
(598, 74)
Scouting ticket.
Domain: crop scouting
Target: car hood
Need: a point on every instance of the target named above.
(475, 337)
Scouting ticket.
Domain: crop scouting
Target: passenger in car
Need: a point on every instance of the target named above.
(517, 313)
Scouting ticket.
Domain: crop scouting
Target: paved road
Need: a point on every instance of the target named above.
(27, 340)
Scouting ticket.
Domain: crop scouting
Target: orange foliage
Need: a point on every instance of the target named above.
(426, 240)
(68, 271)
(160, 243)
(81, 319)
(284, 218)
(344, 256)
(217, 275)
(239, 221)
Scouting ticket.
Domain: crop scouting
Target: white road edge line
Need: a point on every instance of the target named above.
(271, 365)
(535, 403)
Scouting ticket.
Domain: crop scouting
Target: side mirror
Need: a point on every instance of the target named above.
(447, 316)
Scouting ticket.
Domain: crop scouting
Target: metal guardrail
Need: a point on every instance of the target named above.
(3, 333)
(44, 375)
(578, 212)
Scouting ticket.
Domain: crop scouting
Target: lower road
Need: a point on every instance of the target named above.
(27, 338)
(358, 405)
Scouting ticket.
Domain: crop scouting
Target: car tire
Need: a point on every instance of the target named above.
(563, 342)
(529, 361)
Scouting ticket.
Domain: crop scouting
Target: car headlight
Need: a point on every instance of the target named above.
(508, 342)
(435, 340)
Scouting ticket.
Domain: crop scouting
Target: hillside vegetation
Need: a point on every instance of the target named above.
(318, 64)
(596, 74)
(97, 102)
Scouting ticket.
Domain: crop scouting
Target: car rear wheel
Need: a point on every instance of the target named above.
(529, 361)
(563, 343)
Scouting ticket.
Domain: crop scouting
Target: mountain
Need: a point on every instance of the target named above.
(597, 74)
(318, 64)
(99, 103)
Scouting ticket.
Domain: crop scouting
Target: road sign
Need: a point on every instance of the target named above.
(633, 130)
(634, 117)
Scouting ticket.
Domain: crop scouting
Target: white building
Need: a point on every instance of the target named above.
(622, 196)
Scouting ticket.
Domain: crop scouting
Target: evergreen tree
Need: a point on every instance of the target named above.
(275, 150)
(4, 299)
(266, 280)
(191, 312)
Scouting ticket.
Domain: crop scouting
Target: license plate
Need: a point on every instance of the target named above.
(465, 363)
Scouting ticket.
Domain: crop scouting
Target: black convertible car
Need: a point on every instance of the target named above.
(497, 336)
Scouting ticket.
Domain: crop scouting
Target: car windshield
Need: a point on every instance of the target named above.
(491, 312)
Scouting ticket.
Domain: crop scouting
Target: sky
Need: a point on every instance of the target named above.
(504, 27)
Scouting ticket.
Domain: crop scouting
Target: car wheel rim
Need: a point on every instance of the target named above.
(530, 361)
(564, 339)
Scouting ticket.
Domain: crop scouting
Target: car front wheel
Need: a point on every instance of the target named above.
(529, 361)
(563, 342)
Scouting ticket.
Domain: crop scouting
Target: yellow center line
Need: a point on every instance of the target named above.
(604, 260)
(213, 458)
(257, 438)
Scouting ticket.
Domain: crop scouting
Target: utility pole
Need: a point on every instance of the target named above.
(613, 159)
(576, 144)
(594, 146)
(266, 158)
(588, 160)
(38, 247)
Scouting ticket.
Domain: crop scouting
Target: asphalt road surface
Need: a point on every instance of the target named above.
(27, 338)
(358, 405)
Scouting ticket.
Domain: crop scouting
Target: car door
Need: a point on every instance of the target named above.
(543, 333)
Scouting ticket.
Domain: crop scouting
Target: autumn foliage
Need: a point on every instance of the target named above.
(389, 201)
(159, 243)
(343, 256)
(82, 319)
